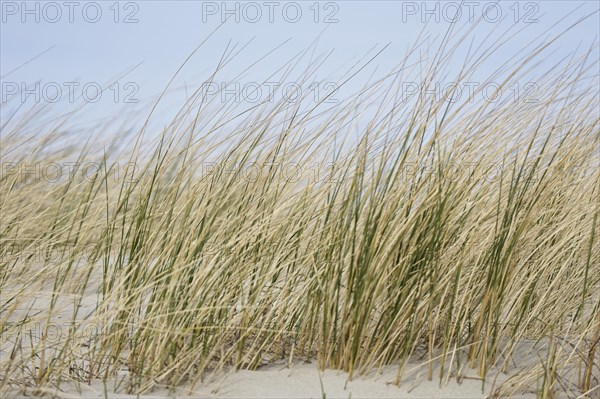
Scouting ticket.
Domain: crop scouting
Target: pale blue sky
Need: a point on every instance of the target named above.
(161, 34)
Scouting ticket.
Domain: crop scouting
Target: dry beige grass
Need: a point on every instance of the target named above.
(450, 230)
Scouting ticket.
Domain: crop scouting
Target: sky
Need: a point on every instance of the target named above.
(114, 58)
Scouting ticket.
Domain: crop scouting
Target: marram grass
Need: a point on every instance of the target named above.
(359, 234)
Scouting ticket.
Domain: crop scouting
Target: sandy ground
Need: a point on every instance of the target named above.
(300, 381)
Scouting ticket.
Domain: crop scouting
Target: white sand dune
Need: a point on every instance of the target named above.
(302, 380)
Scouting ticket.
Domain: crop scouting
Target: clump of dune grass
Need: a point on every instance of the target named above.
(359, 234)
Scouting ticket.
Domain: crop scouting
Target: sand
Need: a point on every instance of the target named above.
(302, 380)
